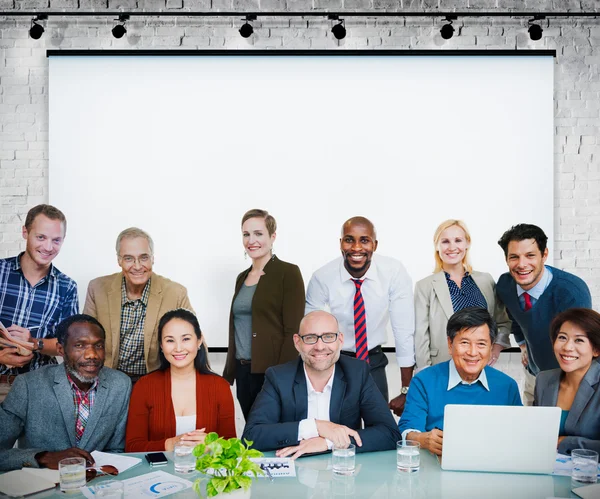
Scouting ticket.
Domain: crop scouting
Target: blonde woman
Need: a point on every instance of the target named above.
(453, 286)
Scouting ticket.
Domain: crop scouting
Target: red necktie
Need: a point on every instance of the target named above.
(527, 301)
(360, 323)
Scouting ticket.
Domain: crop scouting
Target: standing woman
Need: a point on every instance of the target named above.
(266, 310)
(575, 387)
(183, 400)
(453, 286)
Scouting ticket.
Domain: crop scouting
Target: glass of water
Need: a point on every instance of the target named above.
(585, 467)
(72, 474)
(184, 459)
(408, 457)
(344, 460)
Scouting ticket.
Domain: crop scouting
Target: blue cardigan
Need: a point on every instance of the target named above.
(564, 291)
(428, 395)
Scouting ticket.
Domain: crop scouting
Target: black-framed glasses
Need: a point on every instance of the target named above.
(311, 339)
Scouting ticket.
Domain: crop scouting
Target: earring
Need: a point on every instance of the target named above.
(245, 256)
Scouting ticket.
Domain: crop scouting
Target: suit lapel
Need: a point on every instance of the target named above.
(96, 410)
(154, 302)
(440, 286)
(64, 395)
(114, 312)
(338, 392)
(300, 393)
(485, 289)
(584, 394)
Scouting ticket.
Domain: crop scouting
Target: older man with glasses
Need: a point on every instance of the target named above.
(317, 401)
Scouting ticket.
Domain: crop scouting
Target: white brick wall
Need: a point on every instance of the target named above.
(24, 84)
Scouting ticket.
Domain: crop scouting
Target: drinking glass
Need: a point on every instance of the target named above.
(184, 459)
(408, 457)
(344, 460)
(585, 467)
(72, 474)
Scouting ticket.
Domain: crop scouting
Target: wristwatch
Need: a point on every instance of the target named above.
(404, 390)
(38, 345)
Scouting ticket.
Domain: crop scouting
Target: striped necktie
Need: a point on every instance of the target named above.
(360, 323)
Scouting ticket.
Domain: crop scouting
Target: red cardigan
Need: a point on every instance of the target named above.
(151, 417)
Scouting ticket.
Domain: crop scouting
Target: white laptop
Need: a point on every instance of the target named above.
(497, 438)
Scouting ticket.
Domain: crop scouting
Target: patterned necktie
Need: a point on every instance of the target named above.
(360, 323)
(527, 301)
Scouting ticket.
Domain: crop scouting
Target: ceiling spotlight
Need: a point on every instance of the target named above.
(246, 30)
(447, 30)
(339, 30)
(37, 30)
(535, 30)
(119, 30)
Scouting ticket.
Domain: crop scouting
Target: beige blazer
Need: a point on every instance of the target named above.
(103, 301)
(433, 308)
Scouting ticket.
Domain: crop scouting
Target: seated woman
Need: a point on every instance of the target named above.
(454, 285)
(184, 400)
(575, 387)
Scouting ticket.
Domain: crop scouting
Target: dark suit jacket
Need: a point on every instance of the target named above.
(277, 309)
(583, 422)
(283, 403)
(39, 411)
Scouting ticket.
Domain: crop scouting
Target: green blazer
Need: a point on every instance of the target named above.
(277, 309)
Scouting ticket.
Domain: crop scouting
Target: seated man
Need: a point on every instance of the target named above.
(318, 400)
(66, 410)
(465, 379)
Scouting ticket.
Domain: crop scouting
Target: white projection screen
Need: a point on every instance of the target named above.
(182, 145)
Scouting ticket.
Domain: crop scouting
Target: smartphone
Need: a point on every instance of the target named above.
(156, 459)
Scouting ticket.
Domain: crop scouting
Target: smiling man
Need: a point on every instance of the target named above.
(464, 379)
(535, 293)
(130, 303)
(66, 410)
(319, 400)
(366, 293)
(34, 295)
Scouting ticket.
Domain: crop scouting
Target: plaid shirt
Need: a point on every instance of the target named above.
(83, 405)
(39, 308)
(133, 317)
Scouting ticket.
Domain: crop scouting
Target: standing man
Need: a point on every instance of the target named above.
(130, 303)
(534, 294)
(34, 295)
(365, 293)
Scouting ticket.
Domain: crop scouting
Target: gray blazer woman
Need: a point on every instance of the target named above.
(582, 426)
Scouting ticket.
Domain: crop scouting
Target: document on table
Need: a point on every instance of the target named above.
(19, 483)
(119, 461)
(155, 484)
(563, 466)
(277, 466)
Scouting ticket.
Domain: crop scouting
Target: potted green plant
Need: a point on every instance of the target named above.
(228, 462)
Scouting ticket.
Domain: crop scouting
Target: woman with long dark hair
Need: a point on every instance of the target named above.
(183, 400)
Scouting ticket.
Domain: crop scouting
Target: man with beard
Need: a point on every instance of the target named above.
(365, 293)
(317, 401)
(66, 410)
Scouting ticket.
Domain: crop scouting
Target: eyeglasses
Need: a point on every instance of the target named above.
(106, 469)
(143, 259)
(311, 339)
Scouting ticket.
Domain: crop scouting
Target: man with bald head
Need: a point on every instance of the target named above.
(366, 293)
(318, 400)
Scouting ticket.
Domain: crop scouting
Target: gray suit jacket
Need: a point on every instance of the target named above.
(583, 422)
(39, 412)
(433, 308)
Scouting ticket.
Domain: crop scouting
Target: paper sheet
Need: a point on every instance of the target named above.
(277, 466)
(19, 483)
(119, 461)
(155, 484)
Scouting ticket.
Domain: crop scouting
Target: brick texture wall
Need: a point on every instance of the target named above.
(24, 83)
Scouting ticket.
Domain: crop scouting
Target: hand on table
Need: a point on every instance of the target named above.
(338, 434)
(397, 404)
(191, 438)
(430, 440)
(496, 349)
(317, 444)
(51, 459)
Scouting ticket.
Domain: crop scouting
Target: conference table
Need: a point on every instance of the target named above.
(375, 477)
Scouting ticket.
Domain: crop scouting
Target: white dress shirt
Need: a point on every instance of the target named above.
(388, 295)
(318, 408)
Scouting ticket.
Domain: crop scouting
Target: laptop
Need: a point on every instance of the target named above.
(497, 438)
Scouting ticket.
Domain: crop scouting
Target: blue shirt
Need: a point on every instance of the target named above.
(39, 308)
(468, 295)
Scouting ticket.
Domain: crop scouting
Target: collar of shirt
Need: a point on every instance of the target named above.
(466, 274)
(17, 266)
(370, 274)
(309, 387)
(540, 287)
(143, 299)
(454, 379)
(78, 390)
